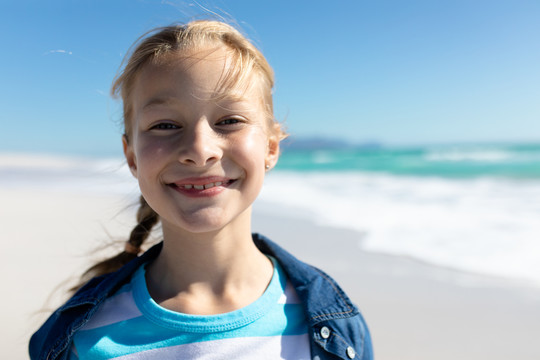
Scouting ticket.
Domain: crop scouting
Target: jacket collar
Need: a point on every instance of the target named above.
(310, 283)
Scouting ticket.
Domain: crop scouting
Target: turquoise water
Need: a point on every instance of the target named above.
(519, 161)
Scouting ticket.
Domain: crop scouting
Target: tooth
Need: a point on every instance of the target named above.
(198, 187)
(208, 186)
(188, 186)
(218, 183)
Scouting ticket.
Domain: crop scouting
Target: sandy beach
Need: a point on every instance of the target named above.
(414, 310)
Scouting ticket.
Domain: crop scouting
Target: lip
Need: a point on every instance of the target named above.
(202, 186)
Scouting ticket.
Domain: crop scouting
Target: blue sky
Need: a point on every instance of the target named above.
(398, 72)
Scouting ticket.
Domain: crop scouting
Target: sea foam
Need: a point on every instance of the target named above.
(484, 225)
(65, 173)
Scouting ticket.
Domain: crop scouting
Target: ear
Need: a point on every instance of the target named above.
(272, 151)
(130, 155)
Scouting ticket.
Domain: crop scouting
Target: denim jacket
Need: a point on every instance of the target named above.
(337, 329)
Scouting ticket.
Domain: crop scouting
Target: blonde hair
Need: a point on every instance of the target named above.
(157, 47)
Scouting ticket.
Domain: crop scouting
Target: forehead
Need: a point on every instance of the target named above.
(210, 72)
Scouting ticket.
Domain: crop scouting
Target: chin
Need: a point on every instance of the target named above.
(199, 223)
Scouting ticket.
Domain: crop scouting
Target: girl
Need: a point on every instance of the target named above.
(199, 137)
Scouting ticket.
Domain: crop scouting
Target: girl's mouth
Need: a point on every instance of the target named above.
(202, 188)
(205, 186)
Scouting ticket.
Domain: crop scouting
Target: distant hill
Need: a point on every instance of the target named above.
(322, 143)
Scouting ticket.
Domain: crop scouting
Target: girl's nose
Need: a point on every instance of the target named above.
(200, 146)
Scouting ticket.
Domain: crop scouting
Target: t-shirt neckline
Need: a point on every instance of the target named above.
(207, 323)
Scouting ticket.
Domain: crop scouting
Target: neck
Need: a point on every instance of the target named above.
(208, 273)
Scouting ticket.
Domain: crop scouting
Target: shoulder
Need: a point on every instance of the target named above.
(52, 339)
(335, 322)
(315, 287)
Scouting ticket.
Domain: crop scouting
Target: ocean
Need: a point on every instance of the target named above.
(470, 207)
(473, 208)
(518, 161)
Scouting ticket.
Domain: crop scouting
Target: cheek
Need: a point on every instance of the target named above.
(252, 149)
(151, 153)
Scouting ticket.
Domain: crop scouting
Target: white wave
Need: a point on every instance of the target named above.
(485, 225)
(481, 154)
(64, 173)
(477, 156)
(25, 161)
(10, 161)
(322, 157)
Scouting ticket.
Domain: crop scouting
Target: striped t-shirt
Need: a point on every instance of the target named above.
(130, 325)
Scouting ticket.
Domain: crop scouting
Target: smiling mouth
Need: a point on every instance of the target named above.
(203, 186)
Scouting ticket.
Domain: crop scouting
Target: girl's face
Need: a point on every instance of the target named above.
(199, 156)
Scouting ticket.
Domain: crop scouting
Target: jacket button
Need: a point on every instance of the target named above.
(325, 332)
(351, 353)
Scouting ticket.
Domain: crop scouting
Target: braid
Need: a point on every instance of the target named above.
(146, 219)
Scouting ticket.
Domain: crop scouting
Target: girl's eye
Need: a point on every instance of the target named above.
(164, 126)
(229, 121)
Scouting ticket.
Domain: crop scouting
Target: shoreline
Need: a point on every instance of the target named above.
(271, 225)
(414, 310)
